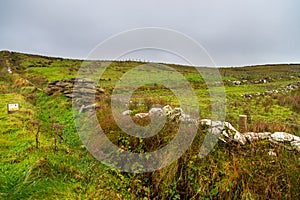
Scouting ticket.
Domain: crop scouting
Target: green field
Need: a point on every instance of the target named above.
(59, 166)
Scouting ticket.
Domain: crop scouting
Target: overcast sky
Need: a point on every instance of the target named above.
(233, 32)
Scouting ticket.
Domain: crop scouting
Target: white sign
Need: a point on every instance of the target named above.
(13, 107)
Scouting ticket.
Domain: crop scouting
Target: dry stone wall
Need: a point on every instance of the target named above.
(84, 94)
(224, 130)
(286, 89)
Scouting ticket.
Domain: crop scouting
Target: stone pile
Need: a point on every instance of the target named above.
(84, 93)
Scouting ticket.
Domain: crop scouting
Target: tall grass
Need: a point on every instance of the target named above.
(292, 101)
(230, 171)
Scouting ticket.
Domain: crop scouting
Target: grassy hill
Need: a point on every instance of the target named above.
(38, 160)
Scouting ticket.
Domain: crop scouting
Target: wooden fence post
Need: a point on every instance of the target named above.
(243, 123)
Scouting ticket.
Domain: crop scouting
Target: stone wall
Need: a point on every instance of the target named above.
(286, 89)
(224, 131)
(84, 94)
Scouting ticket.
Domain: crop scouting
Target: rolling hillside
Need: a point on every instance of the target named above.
(42, 156)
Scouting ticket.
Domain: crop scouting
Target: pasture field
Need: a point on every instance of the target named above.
(42, 156)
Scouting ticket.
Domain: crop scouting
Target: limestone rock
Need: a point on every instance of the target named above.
(264, 136)
(250, 136)
(168, 110)
(176, 115)
(224, 130)
(288, 140)
(281, 137)
(272, 153)
(156, 112)
(88, 107)
(141, 115)
(126, 112)
(238, 137)
(187, 119)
